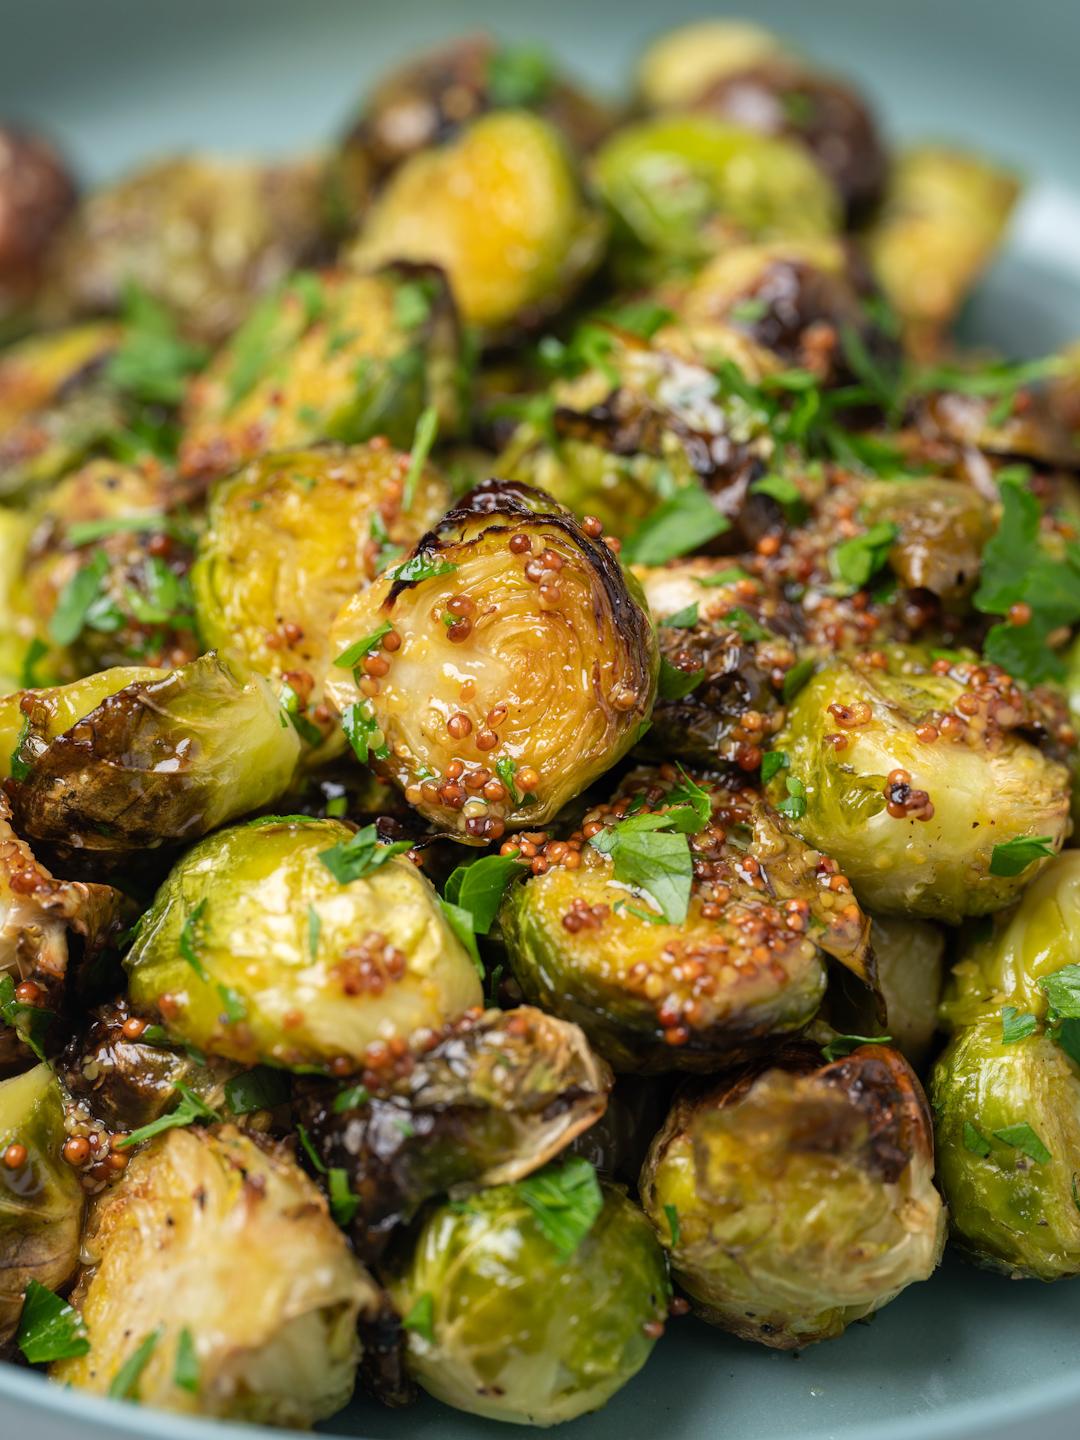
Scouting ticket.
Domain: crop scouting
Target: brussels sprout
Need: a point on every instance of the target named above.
(535, 1302)
(943, 216)
(678, 66)
(289, 539)
(132, 759)
(109, 523)
(160, 1284)
(54, 407)
(429, 99)
(941, 526)
(292, 963)
(682, 187)
(910, 968)
(501, 209)
(126, 1080)
(201, 235)
(1008, 1144)
(16, 627)
(329, 356)
(1031, 424)
(498, 1096)
(797, 1199)
(41, 1199)
(531, 649)
(41, 920)
(911, 773)
(36, 195)
(723, 952)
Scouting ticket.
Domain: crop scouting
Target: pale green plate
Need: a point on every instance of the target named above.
(967, 1356)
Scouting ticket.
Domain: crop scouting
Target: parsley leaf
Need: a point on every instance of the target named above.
(262, 1088)
(190, 1109)
(1062, 989)
(152, 362)
(427, 427)
(478, 888)
(1016, 1027)
(656, 863)
(794, 806)
(186, 1363)
(30, 1022)
(856, 560)
(314, 930)
(640, 317)
(685, 521)
(363, 731)
(359, 855)
(352, 656)
(688, 792)
(421, 1317)
(975, 1141)
(190, 939)
(1014, 856)
(343, 1203)
(49, 1328)
(796, 678)
(19, 767)
(351, 1098)
(1023, 1138)
(519, 76)
(418, 568)
(73, 605)
(565, 1200)
(772, 762)
(684, 619)
(841, 1045)
(785, 492)
(676, 684)
(125, 1383)
(673, 1225)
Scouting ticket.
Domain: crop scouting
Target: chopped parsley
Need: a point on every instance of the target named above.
(125, 1383)
(186, 1363)
(684, 521)
(1023, 1138)
(418, 568)
(427, 427)
(1014, 856)
(796, 678)
(19, 767)
(676, 684)
(857, 560)
(351, 1098)
(314, 930)
(49, 1328)
(794, 804)
(975, 1141)
(190, 1109)
(152, 362)
(363, 731)
(351, 657)
(565, 1200)
(262, 1088)
(1015, 1026)
(841, 1045)
(673, 1225)
(191, 938)
(648, 857)
(30, 1022)
(772, 762)
(684, 619)
(361, 854)
(478, 888)
(421, 1317)
(519, 76)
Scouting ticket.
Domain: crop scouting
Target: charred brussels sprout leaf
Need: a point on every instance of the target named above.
(517, 1327)
(41, 1199)
(528, 645)
(234, 919)
(681, 187)
(655, 993)
(162, 1250)
(495, 1099)
(289, 539)
(501, 210)
(131, 759)
(330, 356)
(744, 1167)
(915, 824)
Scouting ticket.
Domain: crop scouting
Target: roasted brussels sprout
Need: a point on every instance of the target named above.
(53, 406)
(332, 356)
(131, 759)
(41, 1200)
(725, 950)
(36, 195)
(289, 539)
(40, 918)
(428, 100)
(682, 187)
(534, 1302)
(506, 607)
(162, 1250)
(1008, 1142)
(203, 236)
(795, 1199)
(312, 945)
(943, 216)
(16, 626)
(678, 65)
(109, 523)
(499, 1095)
(909, 955)
(1006, 1090)
(501, 209)
(911, 773)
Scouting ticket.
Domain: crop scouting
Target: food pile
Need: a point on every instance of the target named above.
(539, 708)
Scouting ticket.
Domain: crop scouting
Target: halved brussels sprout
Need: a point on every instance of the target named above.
(133, 759)
(681, 187)
(160, 1280)
(126, 1081)
(40, 916)
(911, 772)
(427, 100)
(941, 528)
(943, 217)
(202, 235)
(53, 406)
(532, 652)
(296, 961)
(796, 1199)
(1008, 1142)
(36, 195)
(329, 356)
(657, 990)
(909, 955)
(289, 539)
(41, 1199)
(501, 209)
(109, 523)
(498, 1096)
(532, 1303)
